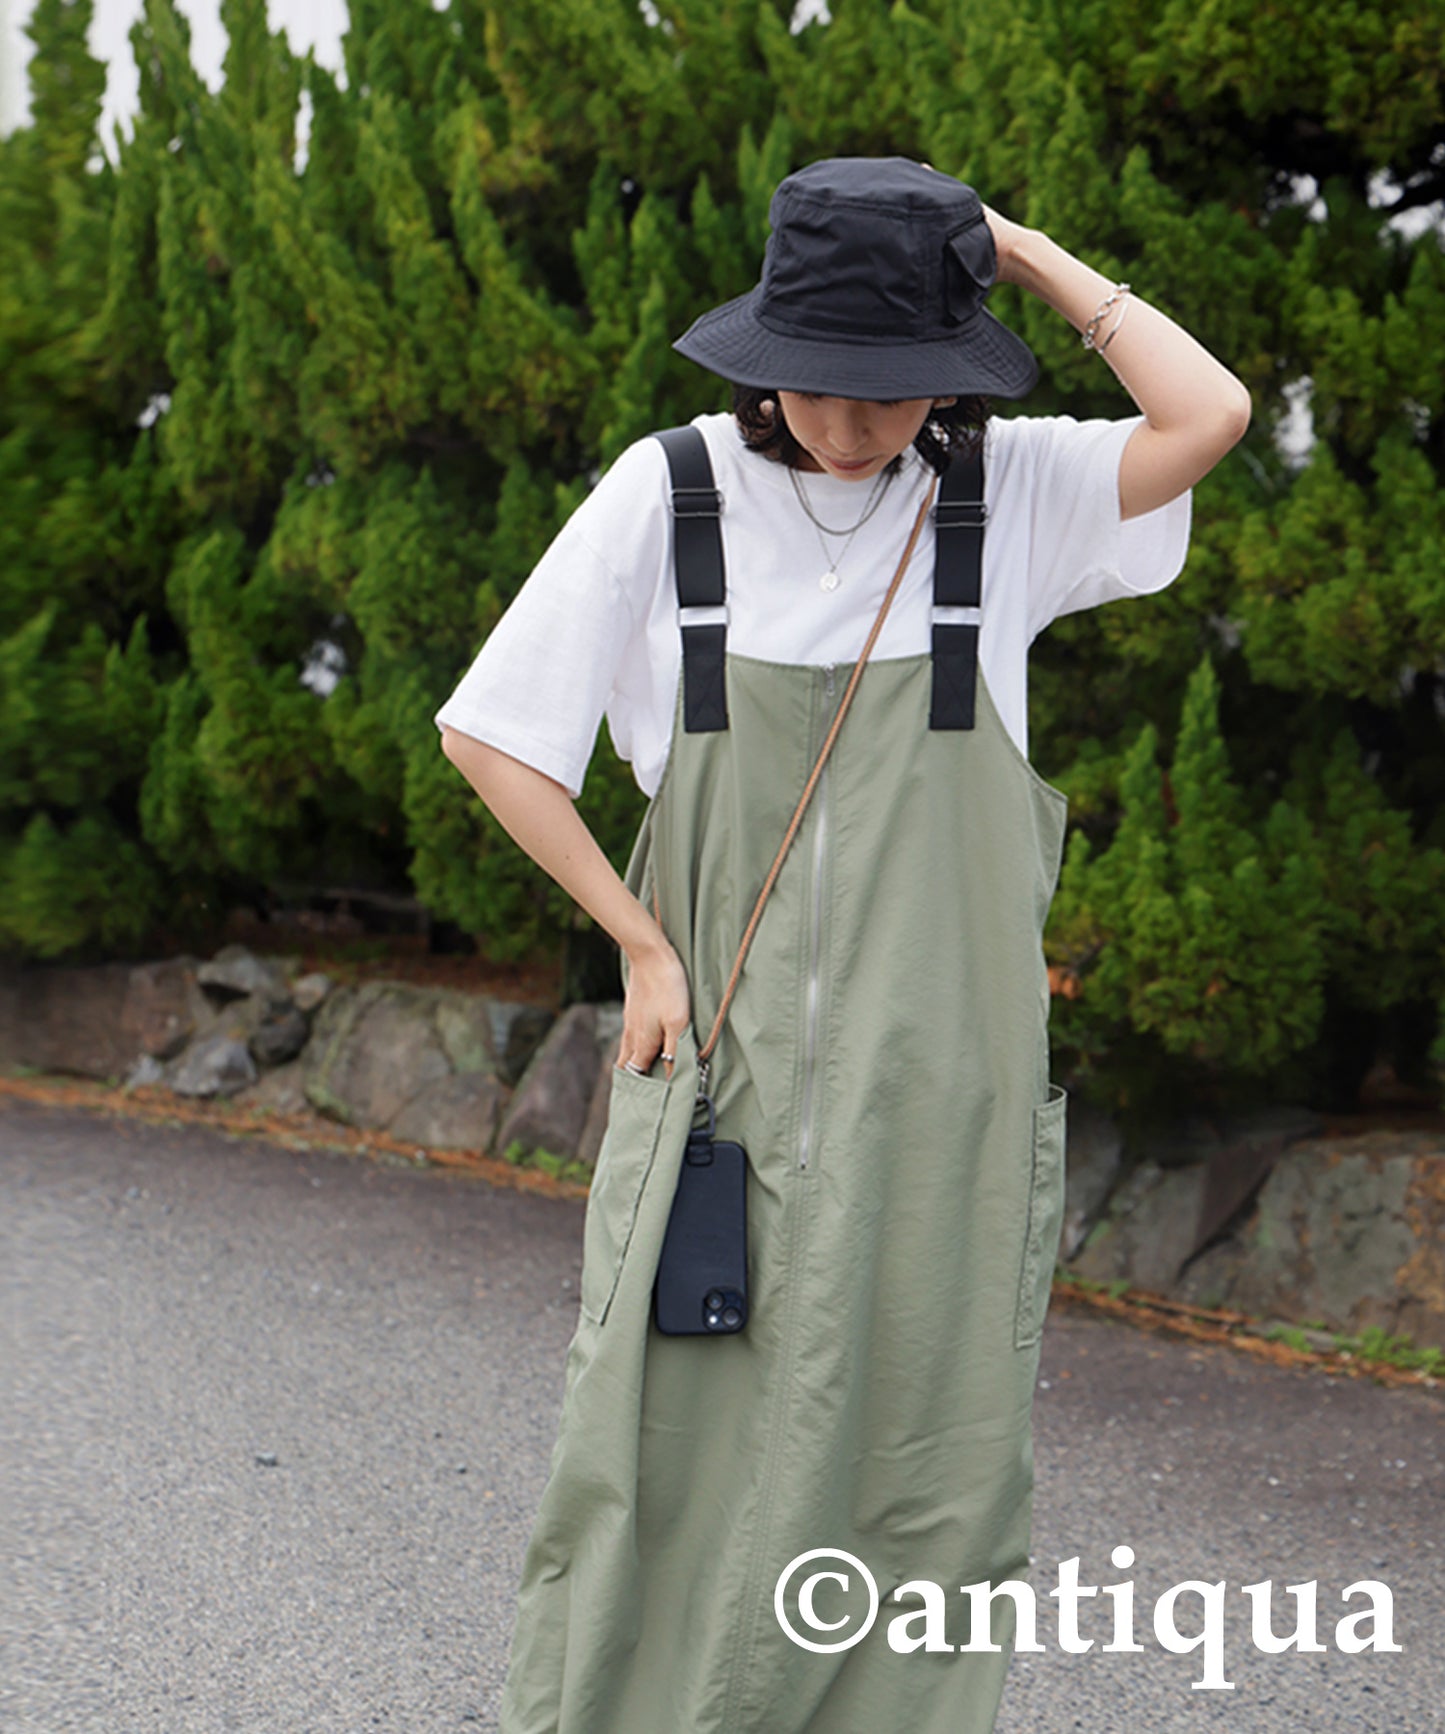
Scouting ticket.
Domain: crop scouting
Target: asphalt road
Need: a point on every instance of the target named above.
(273, 1425)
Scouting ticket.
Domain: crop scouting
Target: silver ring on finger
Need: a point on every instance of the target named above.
(636, 1070)
(668, 1057)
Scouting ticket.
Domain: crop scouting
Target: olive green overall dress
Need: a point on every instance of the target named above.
(885, 1064)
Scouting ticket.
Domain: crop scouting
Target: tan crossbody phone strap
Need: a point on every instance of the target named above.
(706, 1049)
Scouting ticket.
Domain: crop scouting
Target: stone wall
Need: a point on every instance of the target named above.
(1345, 1232)
(1268, 1217)
(433, 1066)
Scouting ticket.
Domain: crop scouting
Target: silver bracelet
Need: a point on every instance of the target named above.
(1117, 323)
(1091, 329)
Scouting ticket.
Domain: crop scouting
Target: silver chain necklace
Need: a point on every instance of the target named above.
(829, 579)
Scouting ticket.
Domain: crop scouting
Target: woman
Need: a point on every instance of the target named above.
(884, 1057)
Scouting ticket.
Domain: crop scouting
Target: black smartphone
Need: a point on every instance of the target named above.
(702, 1273)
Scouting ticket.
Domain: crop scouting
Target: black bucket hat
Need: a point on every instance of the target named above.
(873, 286)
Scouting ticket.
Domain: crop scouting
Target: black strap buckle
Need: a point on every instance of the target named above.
(697, 502)
(960, 514)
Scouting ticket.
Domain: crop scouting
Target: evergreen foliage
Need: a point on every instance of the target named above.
(254, 406)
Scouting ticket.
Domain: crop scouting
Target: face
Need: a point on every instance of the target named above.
(851, 437)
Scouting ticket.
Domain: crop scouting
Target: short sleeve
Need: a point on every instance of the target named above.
(539, 686)
(1083, 552)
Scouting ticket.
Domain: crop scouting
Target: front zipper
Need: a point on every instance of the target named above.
(810, 1033)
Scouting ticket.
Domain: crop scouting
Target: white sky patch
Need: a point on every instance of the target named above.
(1294, 433)
(804, 13)
(317, 25)
(1385, 190)
(1418, 415)
(325, 662)
(304, 109)
(1306, 190)
(1227, 631)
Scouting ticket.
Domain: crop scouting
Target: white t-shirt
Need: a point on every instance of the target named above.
(594, 630)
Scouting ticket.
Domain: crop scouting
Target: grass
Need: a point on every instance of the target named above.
(548, 1162)
(1371, 1347)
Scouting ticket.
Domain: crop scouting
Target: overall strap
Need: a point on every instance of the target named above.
(698, 562)
(960, 516)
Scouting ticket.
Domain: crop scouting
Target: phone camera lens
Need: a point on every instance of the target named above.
(713, 1300)
(732, 1318)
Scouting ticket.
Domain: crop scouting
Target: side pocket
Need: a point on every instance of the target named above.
(634, 1118)
(1045, 1217)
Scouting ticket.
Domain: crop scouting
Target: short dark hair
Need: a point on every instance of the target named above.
(959, 428)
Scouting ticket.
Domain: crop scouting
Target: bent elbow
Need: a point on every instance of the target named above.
(1236, 415)
(451, 740)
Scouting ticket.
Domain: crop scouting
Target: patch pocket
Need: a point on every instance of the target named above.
(624, 1161)
(1045, 1217)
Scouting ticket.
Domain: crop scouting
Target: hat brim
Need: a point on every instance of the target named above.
(984, 359)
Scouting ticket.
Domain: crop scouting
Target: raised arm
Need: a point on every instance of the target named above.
(539, 815)
(1195, 409)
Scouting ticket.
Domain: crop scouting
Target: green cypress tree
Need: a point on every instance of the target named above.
(1271, 179)
(1197, 928)
(76, 700)
(253, 406)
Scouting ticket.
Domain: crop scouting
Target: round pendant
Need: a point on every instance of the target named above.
(829, 581)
